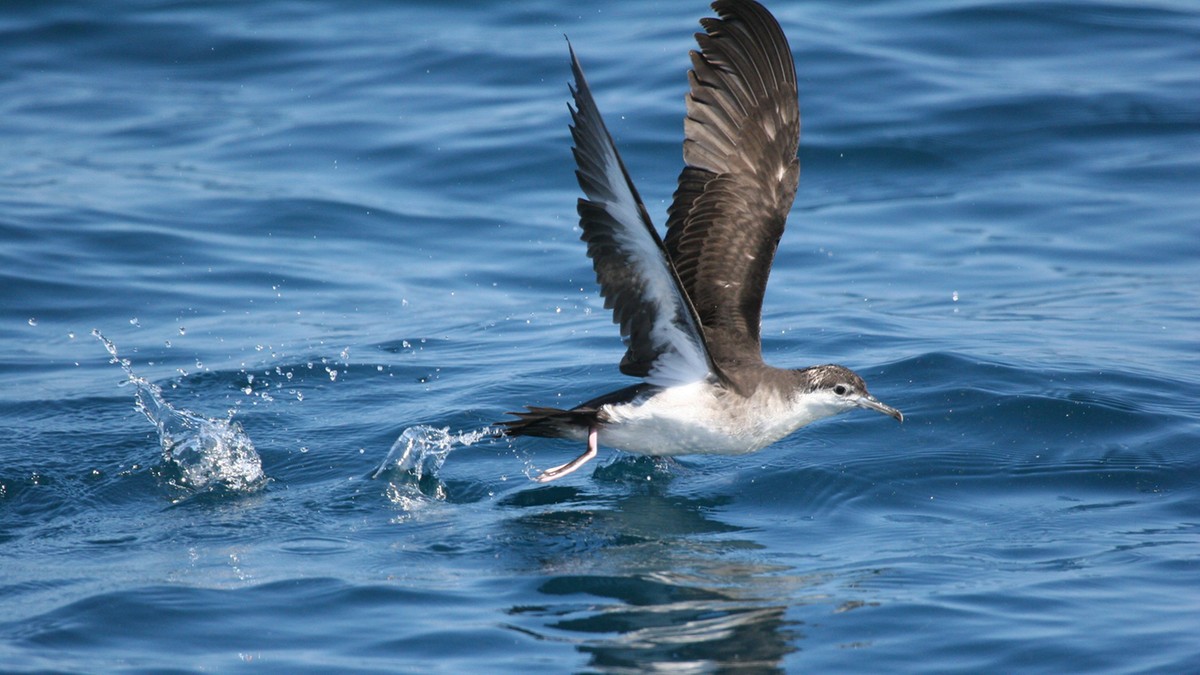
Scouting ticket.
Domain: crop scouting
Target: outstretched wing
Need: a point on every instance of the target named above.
(658, 324)
(742, 131)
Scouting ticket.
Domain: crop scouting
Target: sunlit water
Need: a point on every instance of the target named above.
(328, 245)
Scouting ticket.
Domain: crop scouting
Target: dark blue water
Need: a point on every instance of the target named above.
(309, 227)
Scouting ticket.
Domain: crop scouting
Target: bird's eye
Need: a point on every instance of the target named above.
(840, 390)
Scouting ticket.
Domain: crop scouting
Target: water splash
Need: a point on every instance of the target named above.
(418, 454)
(207, 453)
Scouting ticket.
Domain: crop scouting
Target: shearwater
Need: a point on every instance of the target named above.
(689, 306)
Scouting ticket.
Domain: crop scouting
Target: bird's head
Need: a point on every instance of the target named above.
(836, 389)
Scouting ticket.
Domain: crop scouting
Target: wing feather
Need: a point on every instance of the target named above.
(728, 213)
(660, 328)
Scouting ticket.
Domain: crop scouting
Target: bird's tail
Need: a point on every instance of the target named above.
(548, 422)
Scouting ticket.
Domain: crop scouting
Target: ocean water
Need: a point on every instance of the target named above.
(269, 271)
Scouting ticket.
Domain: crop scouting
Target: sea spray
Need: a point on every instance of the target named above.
(417, 456)
(208, 453)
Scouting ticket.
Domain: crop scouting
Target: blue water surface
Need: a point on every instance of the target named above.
(331, 243)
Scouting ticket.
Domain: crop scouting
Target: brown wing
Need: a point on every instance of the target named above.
(742, 131)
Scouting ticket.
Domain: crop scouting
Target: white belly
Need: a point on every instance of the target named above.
(691, 420)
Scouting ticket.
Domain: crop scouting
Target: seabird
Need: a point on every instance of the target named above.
(689, 306)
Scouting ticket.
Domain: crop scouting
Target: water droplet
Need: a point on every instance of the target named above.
(135, 323)
(32, 321)
(71, 334)
(954, 296)
(182, 330)
(206, 451)
(168, 344)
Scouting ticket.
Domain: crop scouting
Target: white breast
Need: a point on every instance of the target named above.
(701, 419)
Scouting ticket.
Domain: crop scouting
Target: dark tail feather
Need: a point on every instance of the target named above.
(555, 423)
(548, 422)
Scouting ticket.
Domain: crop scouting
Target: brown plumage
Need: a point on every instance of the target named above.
(742, 131)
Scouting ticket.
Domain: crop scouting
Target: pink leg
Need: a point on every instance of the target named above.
(564, 469)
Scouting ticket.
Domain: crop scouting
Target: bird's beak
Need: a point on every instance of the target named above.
(871, 403)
